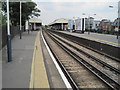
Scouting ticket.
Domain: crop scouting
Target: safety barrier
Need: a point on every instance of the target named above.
(14, 31)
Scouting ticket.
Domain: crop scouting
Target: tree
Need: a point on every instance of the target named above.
(28, 10)
(86, 28)
(4, 18)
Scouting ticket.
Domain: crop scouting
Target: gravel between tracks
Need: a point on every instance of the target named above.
(97, 65)
(95, 54)
(83, 77)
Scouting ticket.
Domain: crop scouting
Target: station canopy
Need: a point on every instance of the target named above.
(59, 21)
(35, 20)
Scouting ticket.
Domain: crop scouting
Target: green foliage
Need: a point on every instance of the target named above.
(46, 26)
(86, 28)
(0, 14)
(4, 18)
(28, 10)
(99, 31)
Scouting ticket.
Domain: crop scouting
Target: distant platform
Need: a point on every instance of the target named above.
(104, 38)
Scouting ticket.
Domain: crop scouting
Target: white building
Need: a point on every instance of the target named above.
(70, 24)
(59, 24)
(80, 25)
(92, 24)
(89, 22)
(34, 23)
(95, 25)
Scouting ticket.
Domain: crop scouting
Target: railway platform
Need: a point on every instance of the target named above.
(68, 49)
(39, 62)
(104, 38)
(27, 69)
(32, 65)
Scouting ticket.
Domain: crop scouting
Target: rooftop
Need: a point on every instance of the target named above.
(35, 20)
(61, 20)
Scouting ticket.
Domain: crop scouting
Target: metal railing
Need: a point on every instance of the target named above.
(14, 31)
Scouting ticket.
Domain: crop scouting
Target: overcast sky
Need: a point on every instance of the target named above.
(54, 9)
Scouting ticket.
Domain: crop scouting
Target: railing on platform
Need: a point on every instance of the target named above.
(14, 31)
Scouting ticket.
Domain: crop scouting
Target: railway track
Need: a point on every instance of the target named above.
(101, 59)
(73, 68)
(90, 66)
(111, 66)
(79, 43)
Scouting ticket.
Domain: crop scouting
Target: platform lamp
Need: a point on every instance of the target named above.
(74, 22)
(84, 15)
(21, 1)
(9, 50)
(20, 23)
(89, 22)
(118, 18)
(20, 18)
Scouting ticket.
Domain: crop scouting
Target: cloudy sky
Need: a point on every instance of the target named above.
(54, 9)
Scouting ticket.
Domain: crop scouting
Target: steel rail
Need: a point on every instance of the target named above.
(90, 56)
(101, 75)
(75, 41)
(71, 81)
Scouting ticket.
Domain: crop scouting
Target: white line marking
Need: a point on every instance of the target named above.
(56, 64)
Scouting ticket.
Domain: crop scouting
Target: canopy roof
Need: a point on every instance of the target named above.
(57, 21)
(35, 20)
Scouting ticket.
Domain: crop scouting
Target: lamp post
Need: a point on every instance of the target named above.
(89, 22)
(20, 22)
(118, 18)
(9, 50)
(21, 1)
(118, 25)
(75, 22)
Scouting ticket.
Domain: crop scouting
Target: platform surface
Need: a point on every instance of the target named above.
(39, 77)
(18, 73)
(104, 38)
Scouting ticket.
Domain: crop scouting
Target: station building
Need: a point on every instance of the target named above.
(59, 24)
(33, 24)
(105, 25)
(96, 24)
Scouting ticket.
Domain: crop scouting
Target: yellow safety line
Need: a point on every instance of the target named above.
(38, 77)
(102, 40)
(32, 68)
(110, 42)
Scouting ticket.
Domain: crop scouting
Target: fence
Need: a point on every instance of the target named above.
(14, 30)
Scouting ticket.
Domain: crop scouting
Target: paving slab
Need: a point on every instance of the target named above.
(39, 78)
(16, 74)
